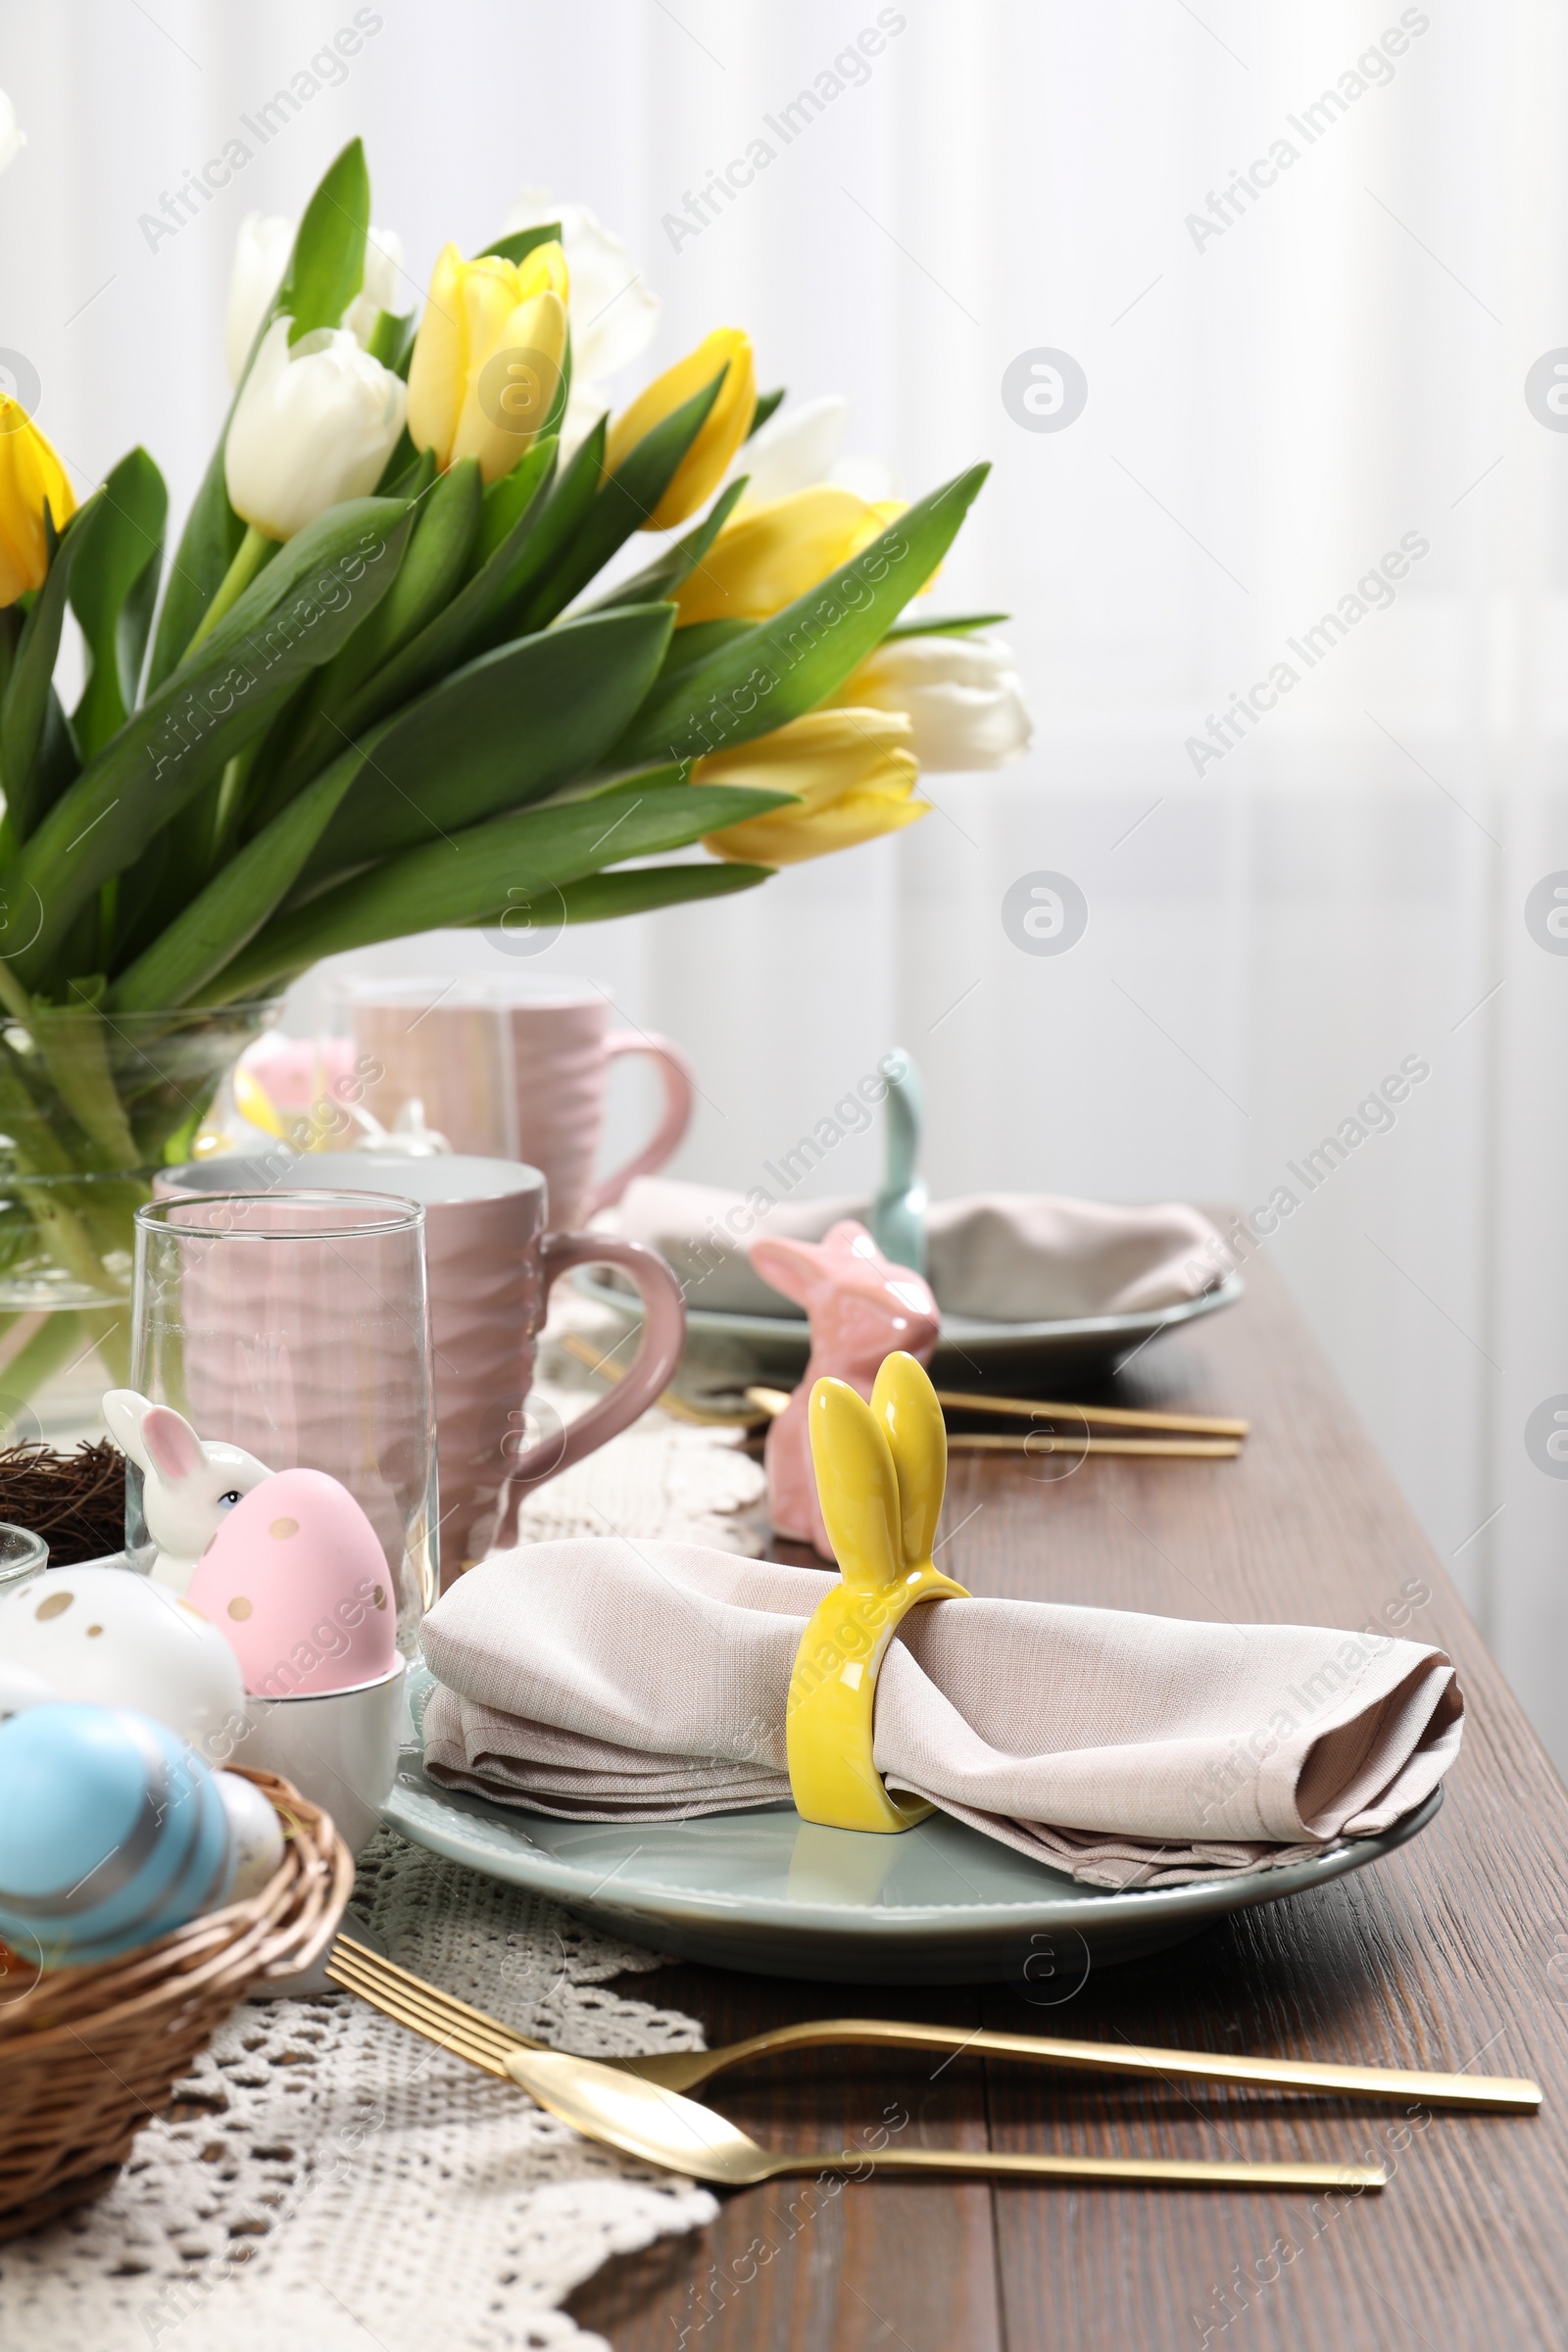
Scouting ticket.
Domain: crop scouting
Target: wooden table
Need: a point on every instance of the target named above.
(1452, 1953)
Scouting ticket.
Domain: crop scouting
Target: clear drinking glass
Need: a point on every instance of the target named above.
(296, 1324)
(23, 1557)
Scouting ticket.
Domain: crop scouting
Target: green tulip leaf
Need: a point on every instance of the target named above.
(666, 573)
(392, 340)
(208, 546)
(523, 241)
(766, 403)
(446, 526)
(643, 781)
(75, 1053)
(622, 503)
(950, 624)
(309, 734)
(326, 268)
(549, 540)
(510, 728)
(112, 585)
(556, 415)
(408, 472)
(506, 502)
(57, 763)
(483, 874)
(698, 640)
(472, 622)
(465, 626)
(640, 889)
(786, 666)
(293, 618)
(328, 255)
(24, 713)
(236, 903)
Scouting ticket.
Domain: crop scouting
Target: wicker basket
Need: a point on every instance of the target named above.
(89, 2055)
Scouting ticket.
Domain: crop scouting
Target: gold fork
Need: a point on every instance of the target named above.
(1041, 1443)
(360, 1970)
(645, 2119)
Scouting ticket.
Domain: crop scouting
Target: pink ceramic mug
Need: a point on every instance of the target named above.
(490, 1267)
(516, 1070)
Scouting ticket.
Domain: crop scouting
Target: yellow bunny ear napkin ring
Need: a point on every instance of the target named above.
(881, 1469)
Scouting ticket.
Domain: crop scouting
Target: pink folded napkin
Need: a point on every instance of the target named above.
(1008, 1257)
(602, 1680)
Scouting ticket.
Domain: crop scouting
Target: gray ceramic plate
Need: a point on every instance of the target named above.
(1080, 1344)
(776, 1896)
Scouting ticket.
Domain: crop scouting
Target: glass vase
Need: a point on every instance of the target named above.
(92, 1104)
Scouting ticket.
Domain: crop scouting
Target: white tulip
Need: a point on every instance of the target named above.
(798, 448)
(314, 424)
(12, 138)
(611, 310)
(795, 450)
(261, 256)
(962, 695)
(869, 477)
(387, 287)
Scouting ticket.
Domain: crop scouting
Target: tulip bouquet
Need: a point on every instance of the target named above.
(385, 687)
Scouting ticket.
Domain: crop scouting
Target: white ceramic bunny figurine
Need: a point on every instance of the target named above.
(190, 1485)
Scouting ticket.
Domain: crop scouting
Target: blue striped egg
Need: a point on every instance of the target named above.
(112, 1833)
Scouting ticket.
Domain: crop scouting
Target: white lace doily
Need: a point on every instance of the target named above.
(325, 2181)
(657, 1478)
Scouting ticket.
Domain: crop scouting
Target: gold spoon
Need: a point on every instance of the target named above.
(645, 2119)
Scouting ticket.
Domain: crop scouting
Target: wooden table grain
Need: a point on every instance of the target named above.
(1452, 1954)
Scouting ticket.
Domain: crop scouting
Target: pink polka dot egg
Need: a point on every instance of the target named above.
(297, 1582)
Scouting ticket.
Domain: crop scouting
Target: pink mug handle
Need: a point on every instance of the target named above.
(651, 1368)
(680, 1100)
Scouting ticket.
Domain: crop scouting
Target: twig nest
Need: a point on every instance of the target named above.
(77, 1501)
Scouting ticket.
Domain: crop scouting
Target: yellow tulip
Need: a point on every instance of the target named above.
(487, 358)
(772, 554)
(30, 475)
(850, 770)
(725, 428)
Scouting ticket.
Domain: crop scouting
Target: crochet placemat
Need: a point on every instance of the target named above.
(327, 2179)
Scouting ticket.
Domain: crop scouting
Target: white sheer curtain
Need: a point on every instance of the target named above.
(1312, 372)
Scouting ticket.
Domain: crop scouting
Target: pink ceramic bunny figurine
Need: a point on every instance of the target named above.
(861, 1306)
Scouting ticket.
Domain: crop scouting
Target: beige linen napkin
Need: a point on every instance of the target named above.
(1008, 1257)
(602, 1680)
